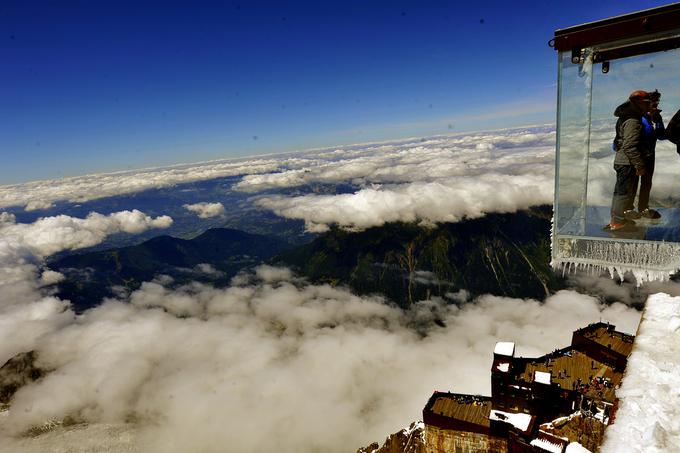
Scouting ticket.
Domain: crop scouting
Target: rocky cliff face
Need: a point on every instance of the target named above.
(408, 440)
(17, 372)
(587, 431)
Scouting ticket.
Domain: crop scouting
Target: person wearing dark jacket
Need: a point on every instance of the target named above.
(673, 130)
(638, 127)
(654, 129)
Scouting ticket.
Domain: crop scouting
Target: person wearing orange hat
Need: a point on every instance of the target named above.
(638, 127)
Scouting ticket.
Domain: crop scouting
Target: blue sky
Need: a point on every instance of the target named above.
(102, 86)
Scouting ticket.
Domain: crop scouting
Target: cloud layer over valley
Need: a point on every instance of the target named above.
(271, 362)
(27, 309)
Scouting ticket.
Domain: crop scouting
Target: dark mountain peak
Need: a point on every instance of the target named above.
(160, 241)
(227, 250)
(221, 234)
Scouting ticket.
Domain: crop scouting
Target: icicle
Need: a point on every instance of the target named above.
(641, 275)
(646, 261)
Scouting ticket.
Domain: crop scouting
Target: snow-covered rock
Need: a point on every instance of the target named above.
(648, 419)
(408, 440)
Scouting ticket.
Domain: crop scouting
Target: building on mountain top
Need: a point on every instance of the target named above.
(557, 403)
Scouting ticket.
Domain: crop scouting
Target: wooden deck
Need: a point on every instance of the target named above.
(616, 341)
(464, 408)
(574, 371)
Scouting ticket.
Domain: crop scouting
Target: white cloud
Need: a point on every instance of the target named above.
(273, 274)
(36, 205)
(207, 269)
(440, 179)
(50, 277)
(446, 200)
(6, 217)
(205, 210)
(22, 326)
(198, 368)
(49, 235)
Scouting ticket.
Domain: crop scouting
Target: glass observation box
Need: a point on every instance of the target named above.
(600, 65)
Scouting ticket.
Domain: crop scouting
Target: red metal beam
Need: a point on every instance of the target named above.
(638, 24)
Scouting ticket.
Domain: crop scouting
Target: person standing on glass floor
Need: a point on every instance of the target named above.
(638, 127)
(654, 130)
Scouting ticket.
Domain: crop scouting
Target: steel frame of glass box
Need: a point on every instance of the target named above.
(581, 50)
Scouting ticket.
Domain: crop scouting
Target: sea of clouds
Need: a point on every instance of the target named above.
(37, 195)
(437, 179)
(272, 362)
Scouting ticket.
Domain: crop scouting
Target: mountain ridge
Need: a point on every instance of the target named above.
(498, 254)
(214, 256)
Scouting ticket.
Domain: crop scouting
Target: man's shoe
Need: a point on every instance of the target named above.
(650, 214)
(631, 214)
(618, 226)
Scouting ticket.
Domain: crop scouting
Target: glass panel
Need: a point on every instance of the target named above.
(573, 110)
(588, 95)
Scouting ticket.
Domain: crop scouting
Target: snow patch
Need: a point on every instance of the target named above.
(504, 367)
(575, 447)
(542, 377)
(647, 419)
(560, 421)
(519, 421)
(506, 348)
